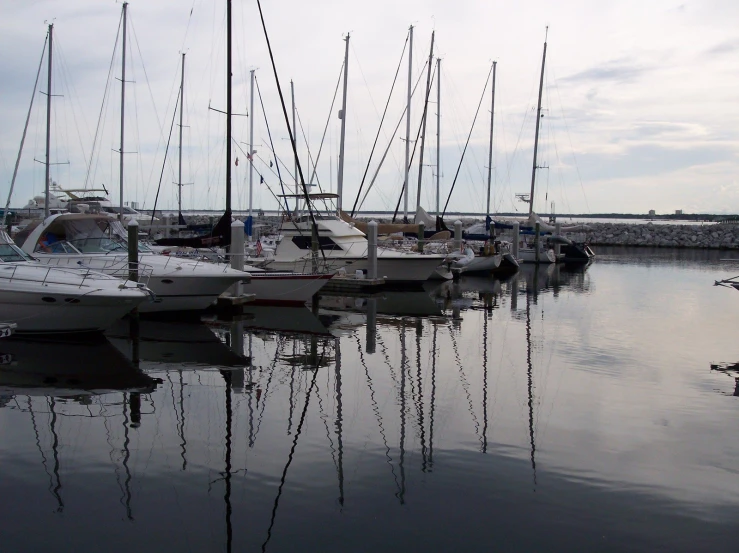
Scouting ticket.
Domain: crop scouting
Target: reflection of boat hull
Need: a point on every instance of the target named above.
(77, 368)
(175, 342)
(299, 320)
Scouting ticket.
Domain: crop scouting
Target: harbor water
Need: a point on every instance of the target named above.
(559, 409)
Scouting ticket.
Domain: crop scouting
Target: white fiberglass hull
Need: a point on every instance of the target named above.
(285, 288)
(40, 300)
(396, 268)
(179, 285)
(528, 255)
(481, 264)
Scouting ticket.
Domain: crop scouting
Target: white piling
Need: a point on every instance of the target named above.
(372, 250)
(558, 232)
(537, 241)
(516, 238)
(458, 235)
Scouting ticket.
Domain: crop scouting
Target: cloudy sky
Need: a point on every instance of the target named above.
(640, 104)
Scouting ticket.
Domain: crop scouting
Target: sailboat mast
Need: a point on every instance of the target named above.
(182, 104)
(295, 146)
(48, 125)
(423, 131)
(490, 153)
(406, 167)
(123, 110)
(342, 116)
(438, 135)
(227, 214)
(536, 136)
(251, 148)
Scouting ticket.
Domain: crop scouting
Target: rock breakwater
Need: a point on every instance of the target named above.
(708, 236)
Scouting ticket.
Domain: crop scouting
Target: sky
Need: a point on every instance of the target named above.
(639, 106)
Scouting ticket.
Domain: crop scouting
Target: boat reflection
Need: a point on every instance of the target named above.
(178, 344)
(77, 369)
(86, 378)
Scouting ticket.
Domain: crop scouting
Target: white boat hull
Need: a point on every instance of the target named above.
(179, 285)
(397, 268)
(528, 255)
(286, 289)
(481, 264)
(40, 300)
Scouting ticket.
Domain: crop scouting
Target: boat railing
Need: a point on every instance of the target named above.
(12, 274)
(118, 267)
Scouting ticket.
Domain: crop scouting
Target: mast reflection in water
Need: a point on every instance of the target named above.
(556, 409)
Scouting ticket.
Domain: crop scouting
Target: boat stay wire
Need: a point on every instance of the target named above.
(164, 161)
(413, 153)
(108, 83)
(384, 155)
(328, 120)
(379, 129)
(271, 145)
(461, 159)
(289, 128)
(6, 213)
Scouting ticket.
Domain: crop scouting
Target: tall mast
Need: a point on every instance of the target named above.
(182, 105)
(48, 125)
(251, 148)
(342, 116)
(408, 125)
(490, 153)
(227, 215)
(123, 109)
(536, 136)
(438, 133)
(295, 146)
(423, 131)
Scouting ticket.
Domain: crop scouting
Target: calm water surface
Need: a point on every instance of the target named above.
(557, 410)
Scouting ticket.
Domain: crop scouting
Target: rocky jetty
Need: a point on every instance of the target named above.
(706, 236)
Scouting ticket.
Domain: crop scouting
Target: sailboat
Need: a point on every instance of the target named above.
(541, 250)
(494, 256)
(270, 287)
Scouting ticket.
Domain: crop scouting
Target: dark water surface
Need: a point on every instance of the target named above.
(558, 410)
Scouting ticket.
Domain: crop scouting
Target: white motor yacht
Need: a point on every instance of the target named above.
(37, 298)
(97, 242)
(344, 246)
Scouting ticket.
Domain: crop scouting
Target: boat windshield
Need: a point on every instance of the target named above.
(12, 253)
(95, 235)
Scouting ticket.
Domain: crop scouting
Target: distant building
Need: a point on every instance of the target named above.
(652, 213)
(678, 212)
